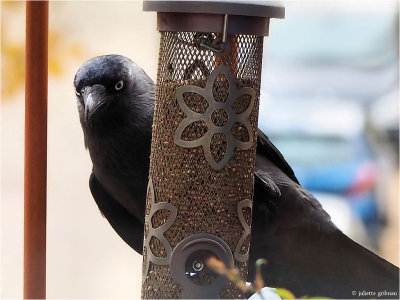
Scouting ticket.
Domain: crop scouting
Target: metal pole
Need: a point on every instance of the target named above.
(35, 150)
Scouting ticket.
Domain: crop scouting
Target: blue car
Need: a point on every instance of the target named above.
(333, 164)
(326, 144)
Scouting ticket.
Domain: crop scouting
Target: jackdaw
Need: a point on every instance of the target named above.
(306, 252)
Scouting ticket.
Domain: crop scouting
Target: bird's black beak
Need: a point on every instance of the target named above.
(93, 98)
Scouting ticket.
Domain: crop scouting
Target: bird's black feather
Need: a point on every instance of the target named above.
(125, 224)
(306, 252)
(266, 148)
(105, 70)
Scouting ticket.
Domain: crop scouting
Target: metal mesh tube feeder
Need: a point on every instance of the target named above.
(203, 148)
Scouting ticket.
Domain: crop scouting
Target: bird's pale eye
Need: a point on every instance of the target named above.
(119, 85)
(77, 93)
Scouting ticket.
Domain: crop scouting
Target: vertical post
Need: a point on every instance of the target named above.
(35, 150)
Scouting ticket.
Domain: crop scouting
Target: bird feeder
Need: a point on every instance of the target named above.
(203, 148)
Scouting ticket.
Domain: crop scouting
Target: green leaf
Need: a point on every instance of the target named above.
(285, 294)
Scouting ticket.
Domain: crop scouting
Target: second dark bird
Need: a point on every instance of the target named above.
(306, 252)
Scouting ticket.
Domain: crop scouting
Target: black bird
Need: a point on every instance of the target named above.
(306, 252)
(115, 104)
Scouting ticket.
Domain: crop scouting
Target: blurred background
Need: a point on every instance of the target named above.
(329, 102)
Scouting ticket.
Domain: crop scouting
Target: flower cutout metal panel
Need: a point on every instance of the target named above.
(246, 230)
(157, 232)
(219, 117)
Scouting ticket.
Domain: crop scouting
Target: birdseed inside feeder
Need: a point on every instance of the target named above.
(203, 145)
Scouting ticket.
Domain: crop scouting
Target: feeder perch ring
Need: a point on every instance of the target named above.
(187, 252)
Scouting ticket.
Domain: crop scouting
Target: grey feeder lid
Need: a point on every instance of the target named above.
(244, 17)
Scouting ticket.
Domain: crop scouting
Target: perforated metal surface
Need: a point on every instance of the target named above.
(203, 149)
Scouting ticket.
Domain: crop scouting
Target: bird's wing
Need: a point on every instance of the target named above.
(306, 252)
(267, 149)
(128, 227)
